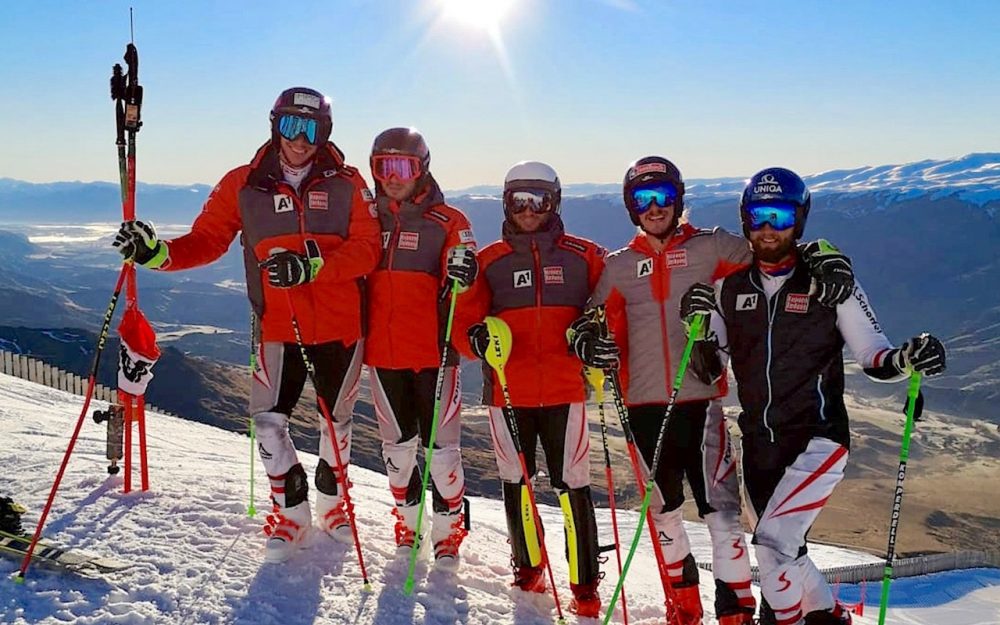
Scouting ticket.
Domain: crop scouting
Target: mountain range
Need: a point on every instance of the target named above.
(923, 237)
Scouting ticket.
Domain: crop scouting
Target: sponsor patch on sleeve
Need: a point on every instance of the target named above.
(366, 195)
(466, 236)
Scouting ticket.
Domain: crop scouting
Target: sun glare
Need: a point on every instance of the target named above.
(483, 14)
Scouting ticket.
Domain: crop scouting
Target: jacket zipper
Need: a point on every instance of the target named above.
(822, 398)
(660, 273)
(770, 326)
(392, 243)
(538, 314)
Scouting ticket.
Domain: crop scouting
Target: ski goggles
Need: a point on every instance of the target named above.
(538, 201)
(385, 167)
(664, 194)
(291, 126)
(778, 215)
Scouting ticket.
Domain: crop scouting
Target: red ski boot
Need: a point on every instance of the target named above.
(530, 578)
(687, 603)
(585, 602)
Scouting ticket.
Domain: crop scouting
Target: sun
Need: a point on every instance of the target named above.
(482, 14)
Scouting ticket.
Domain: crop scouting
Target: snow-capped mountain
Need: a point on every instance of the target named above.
(198, 558)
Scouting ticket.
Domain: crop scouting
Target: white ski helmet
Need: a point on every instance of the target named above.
(532, 176)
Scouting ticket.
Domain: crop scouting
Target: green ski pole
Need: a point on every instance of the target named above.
(408, 585)
(904, 454)
(695, 331)
(251, 510)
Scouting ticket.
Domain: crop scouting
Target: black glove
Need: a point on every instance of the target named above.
(705, 361)
(923, 353)
(831, 270)
(479, 340)
(137, 241)
(286, 269)
(698, 300)
(599, 352)
(462, 265)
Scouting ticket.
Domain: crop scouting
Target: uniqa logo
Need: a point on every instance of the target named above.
(767, 184)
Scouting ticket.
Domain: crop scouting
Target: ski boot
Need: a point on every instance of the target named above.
(447, 534)
(406, 523)
(687, 605)
(586, 602)
(331, 517)
(286, 530)
(837, 616)
(530, 578)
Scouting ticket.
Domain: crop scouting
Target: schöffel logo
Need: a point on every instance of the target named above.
(767, 184)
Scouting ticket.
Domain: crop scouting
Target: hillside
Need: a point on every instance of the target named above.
(198, 558)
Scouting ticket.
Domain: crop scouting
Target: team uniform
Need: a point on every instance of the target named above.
(407, 306)
(538, 283)
(786, 353)
(641, 290)
(329, 208)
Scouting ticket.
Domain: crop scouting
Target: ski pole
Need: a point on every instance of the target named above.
(617, 395)
(695, 330)
(91, 383)
(251, 510)
(596, 379)
(341, 468)
(408, 585)
(500, 338)
(904, 454)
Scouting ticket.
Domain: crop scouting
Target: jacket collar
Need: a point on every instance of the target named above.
(640, 243)
(543, 239)
(265, 168)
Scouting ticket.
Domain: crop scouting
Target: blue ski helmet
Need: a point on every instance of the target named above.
(776, 184)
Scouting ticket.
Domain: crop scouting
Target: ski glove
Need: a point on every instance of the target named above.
(479, 340)
(599, 352)
(137, 241)
(462, 266)
(698, 300)
(286, 269)
(705, 361)
(923, 353)
(831, 270)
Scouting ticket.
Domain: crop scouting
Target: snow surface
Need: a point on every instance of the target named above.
(199, 558)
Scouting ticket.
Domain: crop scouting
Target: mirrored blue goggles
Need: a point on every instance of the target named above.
(780, 216)
(291, 126)
(663, 194)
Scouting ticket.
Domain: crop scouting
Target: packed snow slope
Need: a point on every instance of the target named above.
(199, 558)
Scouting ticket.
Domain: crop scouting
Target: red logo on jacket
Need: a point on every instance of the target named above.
(553, 275)
(677, 258)
(797, 303)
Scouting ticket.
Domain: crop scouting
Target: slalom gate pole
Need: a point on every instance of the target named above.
(695, 330)
(596, 378)
(408, 585)
(91, 383)
(904, 454)
(334, 442)
(617, 395)
(500, 338)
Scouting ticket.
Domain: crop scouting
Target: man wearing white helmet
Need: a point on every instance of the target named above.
(537, 278)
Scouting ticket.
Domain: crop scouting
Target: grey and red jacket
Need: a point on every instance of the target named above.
(538, 283)
(642, 288)
(405, 312)
(333, 207)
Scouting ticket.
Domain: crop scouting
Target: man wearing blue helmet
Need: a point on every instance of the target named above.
(641, 287)
(787, 357)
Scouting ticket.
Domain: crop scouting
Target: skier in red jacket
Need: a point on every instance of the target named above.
(307, 224)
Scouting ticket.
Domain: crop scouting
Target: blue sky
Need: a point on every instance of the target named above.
(721, 88)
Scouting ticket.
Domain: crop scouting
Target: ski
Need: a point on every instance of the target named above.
(70, 559)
